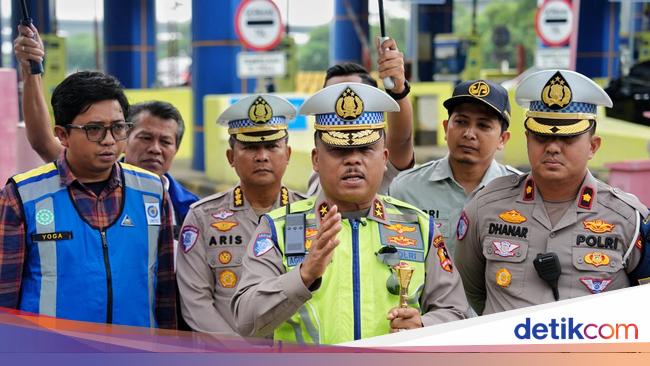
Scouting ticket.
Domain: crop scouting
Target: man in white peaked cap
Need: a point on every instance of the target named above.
(322, 270)
(218, 227)
(557, 232)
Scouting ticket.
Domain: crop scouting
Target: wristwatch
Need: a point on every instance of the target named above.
(404, 93)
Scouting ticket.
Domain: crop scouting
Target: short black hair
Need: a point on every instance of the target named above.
(76, 93)
(161, 110)
(350, 68)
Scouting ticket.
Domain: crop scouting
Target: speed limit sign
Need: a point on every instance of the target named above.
(258, 24)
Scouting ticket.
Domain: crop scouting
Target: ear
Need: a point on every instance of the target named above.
(288, 153)
(445, 125)
(314, 159)
(505, 136)
(230, 155)
(386, 153)
(62, 134)
(594, 145)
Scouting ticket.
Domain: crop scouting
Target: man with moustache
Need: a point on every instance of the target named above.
(322, 270)
(215, 233)
(557, 232)
(399, 138)
(86, 237)
(479, 115)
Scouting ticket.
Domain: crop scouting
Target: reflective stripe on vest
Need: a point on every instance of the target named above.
(66, 277)
(328, 317)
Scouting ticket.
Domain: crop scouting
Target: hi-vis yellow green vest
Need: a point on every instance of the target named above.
(353, 300)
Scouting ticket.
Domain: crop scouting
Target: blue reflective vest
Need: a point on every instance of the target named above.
(75, 271)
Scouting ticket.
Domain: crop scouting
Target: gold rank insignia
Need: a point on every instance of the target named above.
(225, 257)
(598, 226)
(378, 209)
(227, 278)
(224, 226)
(597, 259)
(512, 216)
(400, 229)
(557, 92)
(529, 190)
(260, 111)
(479, 89)
(586, 198)
(238, 199)
(503, 277)
(349, 106)
(284, 196)
(310, 235)
(323, 208)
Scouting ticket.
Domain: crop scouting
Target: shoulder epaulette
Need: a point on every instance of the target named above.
(209, 198)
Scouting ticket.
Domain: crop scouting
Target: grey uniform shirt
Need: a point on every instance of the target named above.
(391, 172)
(268, 295)
(209, 264)
(506, 225)
(432, 188)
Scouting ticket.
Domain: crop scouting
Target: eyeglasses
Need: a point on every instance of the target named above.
(97, 132)
(389, 256)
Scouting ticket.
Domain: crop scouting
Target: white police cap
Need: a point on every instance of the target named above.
(560, 102)
(349, 114)
(258, 118)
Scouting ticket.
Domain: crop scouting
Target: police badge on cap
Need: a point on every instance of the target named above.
(349, 114)
(560, 102)
(258, 118)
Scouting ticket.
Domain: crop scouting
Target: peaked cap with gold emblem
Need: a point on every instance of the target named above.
(258, 118)
(349, 114)
(481, 91)
(560, 102)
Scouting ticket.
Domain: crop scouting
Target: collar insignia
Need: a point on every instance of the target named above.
(378, 209)
(586, 198)
(238, 198)
(529, 190)
(284, 196)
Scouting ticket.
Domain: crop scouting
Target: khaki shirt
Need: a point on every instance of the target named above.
(391, 172)
(268, 295)
(506, 225)
(209, 264)
(432, 188)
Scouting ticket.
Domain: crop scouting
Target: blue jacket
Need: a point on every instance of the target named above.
(76, 271)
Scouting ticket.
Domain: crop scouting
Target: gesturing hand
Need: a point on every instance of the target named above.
(320, 253)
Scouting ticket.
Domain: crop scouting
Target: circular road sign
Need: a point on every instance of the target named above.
(258, 24)
(554, 22)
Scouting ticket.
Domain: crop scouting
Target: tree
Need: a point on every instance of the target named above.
(314, 55)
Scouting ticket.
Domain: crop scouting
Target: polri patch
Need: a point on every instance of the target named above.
(153, 213)
(263, 243)
(57, 235)
(189, 235)
(461, 228)
(595, 285)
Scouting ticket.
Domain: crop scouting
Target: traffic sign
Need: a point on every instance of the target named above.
(554, 22)
(261, 64)
(258, 24)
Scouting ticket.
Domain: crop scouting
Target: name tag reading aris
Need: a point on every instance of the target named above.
(59, 235)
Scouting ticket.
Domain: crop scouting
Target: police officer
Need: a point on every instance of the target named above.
(557, 232)
(321, 270)
(218, 227)
(479, 115)
(399, 138)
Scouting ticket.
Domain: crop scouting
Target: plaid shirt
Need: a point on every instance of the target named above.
(100, 211)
